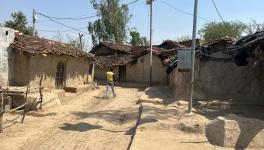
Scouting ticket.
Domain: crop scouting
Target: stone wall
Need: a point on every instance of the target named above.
(6, 38)
(221, 81)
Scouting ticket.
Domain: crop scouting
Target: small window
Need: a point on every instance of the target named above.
(6, 33)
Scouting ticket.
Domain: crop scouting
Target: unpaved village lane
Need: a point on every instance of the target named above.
(89, 123)
(108, 125)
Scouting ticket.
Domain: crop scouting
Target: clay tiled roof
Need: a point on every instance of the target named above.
(113, 46)
(112, 61)
(42, 46)
(169, 44)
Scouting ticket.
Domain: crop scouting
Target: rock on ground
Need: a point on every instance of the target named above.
(236, 132)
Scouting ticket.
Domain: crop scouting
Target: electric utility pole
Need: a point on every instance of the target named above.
(80, 38)
(193, 52)
(149, 2)
(34, 21)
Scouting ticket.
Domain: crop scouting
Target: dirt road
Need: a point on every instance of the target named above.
(85, 122)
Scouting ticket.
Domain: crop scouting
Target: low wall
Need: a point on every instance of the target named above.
(221, 81)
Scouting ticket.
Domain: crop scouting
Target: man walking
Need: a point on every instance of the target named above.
(110, 76)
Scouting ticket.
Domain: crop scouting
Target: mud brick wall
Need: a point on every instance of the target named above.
(28, 69)
(221, 81)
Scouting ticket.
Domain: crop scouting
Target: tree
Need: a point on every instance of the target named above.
(215, 30)
(253, 27)
(19, 22)
(136, 39)
(112, 23)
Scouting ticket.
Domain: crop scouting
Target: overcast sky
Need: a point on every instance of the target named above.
(170, 17)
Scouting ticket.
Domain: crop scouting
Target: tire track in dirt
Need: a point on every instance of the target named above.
(105, 125)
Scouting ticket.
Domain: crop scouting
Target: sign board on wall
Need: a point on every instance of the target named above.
(184, 60)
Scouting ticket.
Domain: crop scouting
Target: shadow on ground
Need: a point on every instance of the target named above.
(80, 127)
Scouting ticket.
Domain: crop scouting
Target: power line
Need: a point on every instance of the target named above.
(130, 3)
(61, 23)
(218, 12)
(51, 18)
(183, 12)
(72, 18)
(41, 30)
(87, 17)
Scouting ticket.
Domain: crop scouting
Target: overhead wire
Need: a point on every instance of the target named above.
(130, 3)
(42, 30)
(182, 11)
(220, 16)
(61, 23)
(72, 18)
(52, 18)
(217, 10)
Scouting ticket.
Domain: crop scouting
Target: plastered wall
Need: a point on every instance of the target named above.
(6, 38)
(221, 81)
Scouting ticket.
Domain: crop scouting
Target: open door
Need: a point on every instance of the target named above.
(122, 73)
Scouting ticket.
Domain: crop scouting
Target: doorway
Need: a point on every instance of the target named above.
(60, 75)
(122, 73)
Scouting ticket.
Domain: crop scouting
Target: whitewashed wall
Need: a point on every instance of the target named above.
(7, 36)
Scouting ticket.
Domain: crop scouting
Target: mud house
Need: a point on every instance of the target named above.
(131, 64)
(26, 58)
(224, 70)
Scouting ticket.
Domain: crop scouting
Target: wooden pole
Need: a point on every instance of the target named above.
(25, 107)
(40, 91)
(80, 38)
(34, 22)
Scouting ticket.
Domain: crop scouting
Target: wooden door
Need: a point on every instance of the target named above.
(60, 75)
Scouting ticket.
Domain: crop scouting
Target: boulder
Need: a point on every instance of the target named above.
(236, 132)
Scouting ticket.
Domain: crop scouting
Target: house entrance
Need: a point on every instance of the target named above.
(60, 75)
(122, 73)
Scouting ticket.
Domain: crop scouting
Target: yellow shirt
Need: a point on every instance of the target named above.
(110, 76)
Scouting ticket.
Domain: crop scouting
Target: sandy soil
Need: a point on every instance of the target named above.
(85, 122)
(90, 122)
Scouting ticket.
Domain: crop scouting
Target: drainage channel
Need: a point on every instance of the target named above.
(135, 128)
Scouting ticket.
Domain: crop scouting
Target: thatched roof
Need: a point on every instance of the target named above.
(42, 46)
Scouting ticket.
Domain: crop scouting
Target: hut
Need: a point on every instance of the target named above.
(27, 58)
(131, 63)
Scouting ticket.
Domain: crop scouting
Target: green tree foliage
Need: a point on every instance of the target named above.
(136, 39)
(215, 30)
(19, 22)
(112, 23)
